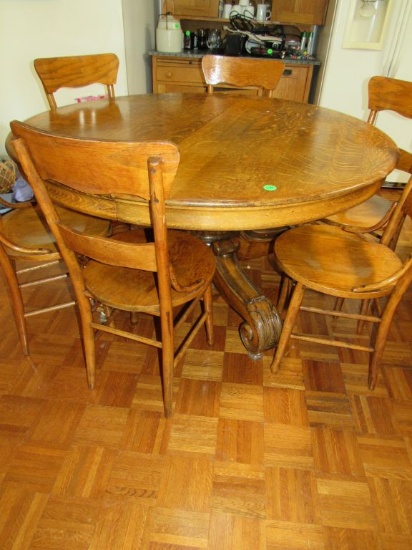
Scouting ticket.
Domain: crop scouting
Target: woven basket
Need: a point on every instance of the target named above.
(7, 175)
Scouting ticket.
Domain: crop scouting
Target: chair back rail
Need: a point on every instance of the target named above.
(263, 74)
(76, 72)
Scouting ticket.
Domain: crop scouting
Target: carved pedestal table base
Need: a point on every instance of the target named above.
(262, 325)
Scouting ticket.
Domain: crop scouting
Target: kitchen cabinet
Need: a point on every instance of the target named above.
(304, 12)
(192, 8)
(183, 74)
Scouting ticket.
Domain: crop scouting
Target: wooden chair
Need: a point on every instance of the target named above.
(384, 94)
(76, 72)
(28, 249)
(159, 277)
(241, 72)
(328, 260)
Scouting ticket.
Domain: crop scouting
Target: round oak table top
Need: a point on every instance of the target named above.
(246, 162)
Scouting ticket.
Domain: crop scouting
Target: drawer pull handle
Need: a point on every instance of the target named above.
(287, 72)
(169, 74)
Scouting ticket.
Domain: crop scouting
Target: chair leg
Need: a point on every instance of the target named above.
(89, 345)
(365, 305)
(379, 336)
(288, 325)
(208, 305)
(285, 289)
(17, 305)
(168, 361)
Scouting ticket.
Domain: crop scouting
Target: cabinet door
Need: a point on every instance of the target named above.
(307, 12)
(195, 8)
(295, 83)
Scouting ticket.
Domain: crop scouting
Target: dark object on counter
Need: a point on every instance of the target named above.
(190, 40)
(234, 44)
(202, 39)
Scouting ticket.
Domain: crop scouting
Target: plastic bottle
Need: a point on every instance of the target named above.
(303, 41)
(310, 43)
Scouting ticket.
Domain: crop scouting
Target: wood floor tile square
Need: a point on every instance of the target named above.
(283, 485)
(350, 539)
(136, 477)
(239, 489)
(170, 528)
(387, 456)
(329, 409)
(241, 401)
(34, 467)
(17, 529)
(294, 536)
(346, 503)
(148, 393)
(233, 532)
(84, 472)
(56, 423)
(191, 434)
(198, 397)
(288, 446)
(393, 498)
(66, 523)
(323, 377)
(290, 374)
(101, 426)
(239, 368)
(285, 406)
(240, 441)
(144, 432)
(372, 415)
(120, 527)
(186, 484)
(337, 452)
(203, 365)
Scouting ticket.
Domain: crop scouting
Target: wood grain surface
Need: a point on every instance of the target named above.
(308, 458)
(246, 162)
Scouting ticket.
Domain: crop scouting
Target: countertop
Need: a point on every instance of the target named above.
(196, 54)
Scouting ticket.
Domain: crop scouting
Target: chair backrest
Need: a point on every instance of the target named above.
(145, 170)
(76, 72)
(389, 94)
(241, 72)
(402, 210)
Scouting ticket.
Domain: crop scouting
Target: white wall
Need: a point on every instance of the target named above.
(346, 72)
(48, 28)
(139, 18)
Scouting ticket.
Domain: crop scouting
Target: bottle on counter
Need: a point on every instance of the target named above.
(303, 41)
(221, 7)
(310, 48)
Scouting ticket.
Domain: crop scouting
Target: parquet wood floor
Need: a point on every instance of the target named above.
(304, 459)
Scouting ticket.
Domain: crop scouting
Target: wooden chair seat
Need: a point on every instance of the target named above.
(136, 290)
(28, 228)
(368, 214)
(331, 261)
(325, 259)
(27, 249)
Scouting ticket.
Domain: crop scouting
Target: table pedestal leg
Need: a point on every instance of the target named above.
(262, 325)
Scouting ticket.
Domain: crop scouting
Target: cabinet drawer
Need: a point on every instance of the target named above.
(180, 72)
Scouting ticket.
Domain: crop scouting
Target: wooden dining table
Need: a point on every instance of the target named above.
(248, 164)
